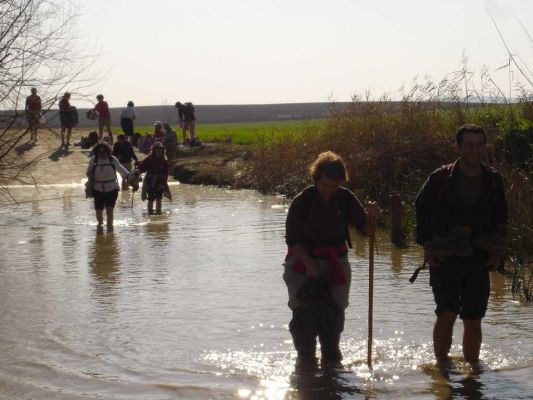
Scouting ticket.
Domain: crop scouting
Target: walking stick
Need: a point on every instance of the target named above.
(132, 194)
(371, 246)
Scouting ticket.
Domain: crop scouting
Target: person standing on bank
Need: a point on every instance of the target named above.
(127, 116)
(461, 216)
(102, 172)
(316, 270)
(68, 117)
(123, 151)
(33, 113)
(187, 121)
(104, 117)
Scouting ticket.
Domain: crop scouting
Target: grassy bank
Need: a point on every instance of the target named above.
(246, 133)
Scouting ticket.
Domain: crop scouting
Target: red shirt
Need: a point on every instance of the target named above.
(102, 109)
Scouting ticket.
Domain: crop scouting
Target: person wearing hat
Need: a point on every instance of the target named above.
(159, 132)
(155, 182)
(102, 175)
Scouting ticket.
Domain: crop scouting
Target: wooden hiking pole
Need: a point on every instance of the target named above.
(371, 246)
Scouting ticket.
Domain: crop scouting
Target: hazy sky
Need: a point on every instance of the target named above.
(280, 51)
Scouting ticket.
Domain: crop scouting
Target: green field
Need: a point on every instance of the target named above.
(246, 132)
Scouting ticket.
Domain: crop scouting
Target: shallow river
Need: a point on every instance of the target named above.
(191, 305)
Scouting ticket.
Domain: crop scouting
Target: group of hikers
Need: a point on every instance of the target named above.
(461, 216)
(68, 118)
(461, 219)
(102, 184)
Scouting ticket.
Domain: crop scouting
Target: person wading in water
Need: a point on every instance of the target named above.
(316, 269)
(461, 215)
(155, 181)
(102, 173)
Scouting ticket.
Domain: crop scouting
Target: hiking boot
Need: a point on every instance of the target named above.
(457, 243)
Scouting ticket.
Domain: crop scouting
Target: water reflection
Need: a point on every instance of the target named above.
(104, 258)
(455, 384)
(330, 384)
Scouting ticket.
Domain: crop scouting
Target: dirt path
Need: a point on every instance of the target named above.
(55, 164)
(211, 164)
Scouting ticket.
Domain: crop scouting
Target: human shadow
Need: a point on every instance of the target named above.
(59, 152)
(24, 147)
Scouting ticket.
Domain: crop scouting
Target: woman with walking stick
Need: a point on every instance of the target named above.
(317, 271)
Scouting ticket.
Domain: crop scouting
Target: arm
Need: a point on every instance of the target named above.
(424, 231)
(90, 168)
(293, 236)
(500, 218)
(115, 150)
(120, 168)
(133, 155)
(143, 166)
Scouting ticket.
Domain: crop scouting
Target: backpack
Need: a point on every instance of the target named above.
(310, 193)
(89, 184)
(189, 107)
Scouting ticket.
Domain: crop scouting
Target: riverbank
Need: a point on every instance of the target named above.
(217, 164)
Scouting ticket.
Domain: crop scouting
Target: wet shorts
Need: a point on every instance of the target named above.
(105, 199)
(461, 286)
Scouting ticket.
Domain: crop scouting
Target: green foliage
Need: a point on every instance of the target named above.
(247, 133)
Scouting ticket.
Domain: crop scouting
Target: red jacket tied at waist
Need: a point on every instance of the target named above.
(336, 274)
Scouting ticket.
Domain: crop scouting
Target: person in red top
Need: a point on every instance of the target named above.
(33, 112)
(104, 117)
(155, 181)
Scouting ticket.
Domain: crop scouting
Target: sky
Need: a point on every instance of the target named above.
(156, 52)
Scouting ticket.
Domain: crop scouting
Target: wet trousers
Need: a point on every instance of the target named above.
(317, 311)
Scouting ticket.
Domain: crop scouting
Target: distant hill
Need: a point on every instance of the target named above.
(207, 114)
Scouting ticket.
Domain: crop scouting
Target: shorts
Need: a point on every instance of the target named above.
(152, 195)
(68, 119)
(104, 122)
(33, 118)
(105, 199)
(462, 286)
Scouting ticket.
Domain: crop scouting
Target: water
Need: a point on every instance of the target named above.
(191, 305)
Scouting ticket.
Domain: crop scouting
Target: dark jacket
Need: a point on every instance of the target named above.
(312, 223)
(124, 152)
(435, 203)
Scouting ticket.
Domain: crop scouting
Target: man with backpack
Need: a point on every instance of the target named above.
(187, 122)
(461, 215)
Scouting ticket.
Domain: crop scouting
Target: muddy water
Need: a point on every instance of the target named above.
(191, 305)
